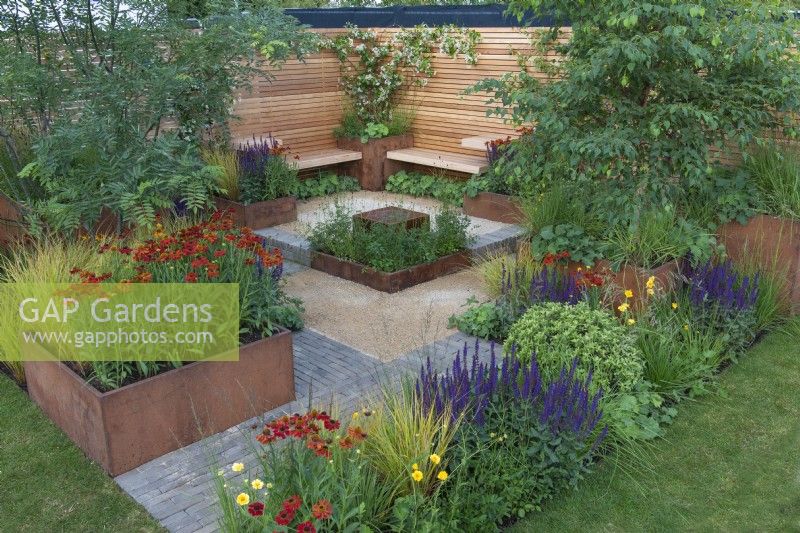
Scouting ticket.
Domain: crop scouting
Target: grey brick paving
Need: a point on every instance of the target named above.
(177, 488)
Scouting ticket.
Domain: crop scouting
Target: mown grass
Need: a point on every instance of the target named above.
(730, 462)
(48, 484)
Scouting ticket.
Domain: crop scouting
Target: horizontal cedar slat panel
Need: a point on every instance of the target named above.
(303, 103)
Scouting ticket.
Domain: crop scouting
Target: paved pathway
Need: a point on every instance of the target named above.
(177, 488)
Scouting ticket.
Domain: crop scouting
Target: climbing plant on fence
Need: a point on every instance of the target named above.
(376, 67)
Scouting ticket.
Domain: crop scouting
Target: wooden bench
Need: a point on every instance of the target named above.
(478, 142)
(469, 164)
(324, 158)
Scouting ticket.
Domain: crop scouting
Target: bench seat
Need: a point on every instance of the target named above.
(323, 158)
(478, 142)
(433, 158)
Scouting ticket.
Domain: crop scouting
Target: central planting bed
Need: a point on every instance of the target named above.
(391, 248)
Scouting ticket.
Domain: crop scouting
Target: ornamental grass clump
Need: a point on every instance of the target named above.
(556, 333)
(776, 174)
(402, 438)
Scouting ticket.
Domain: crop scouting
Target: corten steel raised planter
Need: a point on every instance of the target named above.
(634, 278)
(369, 169)
(129, 426)
(11, 226)
(771, 244)
(260, 214)
(390, 281)
(493, 206)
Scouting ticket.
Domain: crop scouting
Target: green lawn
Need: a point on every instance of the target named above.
(730, 462)
(47, 484)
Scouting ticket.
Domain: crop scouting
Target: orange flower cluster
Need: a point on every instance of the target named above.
(591, 279)
(90, 277)
(549, 259)
(195, 252)
(309, 427)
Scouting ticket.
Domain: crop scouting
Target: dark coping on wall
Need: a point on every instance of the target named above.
(484, 16)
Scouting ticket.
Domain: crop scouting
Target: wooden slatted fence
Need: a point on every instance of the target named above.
(304, 103)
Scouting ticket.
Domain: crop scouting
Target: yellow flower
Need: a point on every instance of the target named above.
(416, 475)
(415, 466)
(269, 486)
(435, 459)
(631, 322)
(257, 484)
(651, 282)
(674, 305)
(237, 467)
(650, 292)
(686, 327)
(243, 499)
(355, 415)
(623, 307)
(629, 294)
(442, 476)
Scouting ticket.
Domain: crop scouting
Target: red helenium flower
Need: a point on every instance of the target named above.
(284, 517)
(322, 510)
(292, 503)
(256, 509)
(306, 527)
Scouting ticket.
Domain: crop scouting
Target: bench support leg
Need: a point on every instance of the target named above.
(370, 170)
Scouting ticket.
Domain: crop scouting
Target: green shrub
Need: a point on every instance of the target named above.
(557, 333)
(131, 176)
(324, 184)
(643, 92)
(582, 247)
(353, 127)
(776, 174)
(726, 195)
(488, 320)
(417, 184)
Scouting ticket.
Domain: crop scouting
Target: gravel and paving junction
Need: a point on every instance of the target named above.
(376, 323)
(356, 341)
